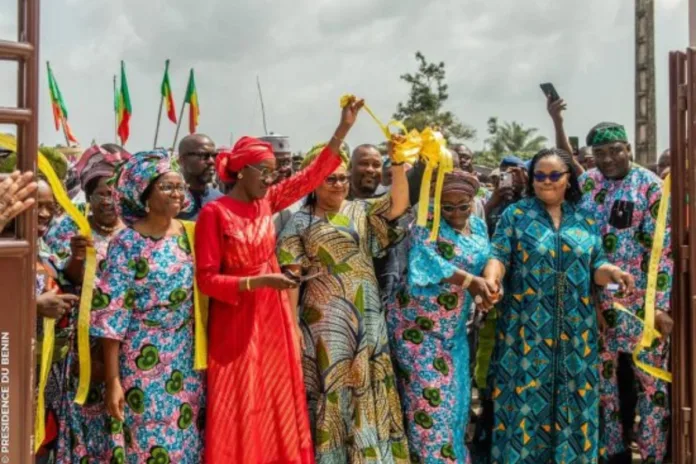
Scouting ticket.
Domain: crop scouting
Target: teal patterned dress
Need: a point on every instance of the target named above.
(545, 371)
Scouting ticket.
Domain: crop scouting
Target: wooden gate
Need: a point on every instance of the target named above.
(682, 95)
(17, 253)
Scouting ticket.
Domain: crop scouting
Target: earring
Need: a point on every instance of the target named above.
(240, 176)
(147, 207)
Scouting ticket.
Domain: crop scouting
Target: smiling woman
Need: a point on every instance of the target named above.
(143, 312)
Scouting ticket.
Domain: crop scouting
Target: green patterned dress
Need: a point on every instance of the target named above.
(354, 406)
(546, 365)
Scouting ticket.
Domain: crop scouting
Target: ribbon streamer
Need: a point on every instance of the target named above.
(200, 308)
(649, 331)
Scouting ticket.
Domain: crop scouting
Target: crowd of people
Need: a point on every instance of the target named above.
(253, 307)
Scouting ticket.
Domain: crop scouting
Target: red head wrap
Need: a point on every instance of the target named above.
(246, 151)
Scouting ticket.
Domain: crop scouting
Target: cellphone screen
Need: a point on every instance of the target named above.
(550, 91)
(575, 143)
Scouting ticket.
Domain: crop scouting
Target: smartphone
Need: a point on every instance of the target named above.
(505, 179)
(613, 288)
(575, 144)
(550, 91)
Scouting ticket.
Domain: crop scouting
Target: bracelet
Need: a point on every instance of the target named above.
(340, 141)
(247, 284)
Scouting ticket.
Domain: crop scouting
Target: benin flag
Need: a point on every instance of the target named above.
(192, 100)
(60, 112)
(167, 94)
(124, 107)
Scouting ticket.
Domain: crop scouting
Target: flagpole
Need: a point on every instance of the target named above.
(178, 124)
(115, 114)
(159, 119)
(65, 133)
(263, 109)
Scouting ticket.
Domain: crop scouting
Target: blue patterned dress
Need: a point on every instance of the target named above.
(82, 429)
(145, 300)
(427, 329)
(546, 364)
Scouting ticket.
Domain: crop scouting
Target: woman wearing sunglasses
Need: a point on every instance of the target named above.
(427, 324)
(547, 254)
(354, 408)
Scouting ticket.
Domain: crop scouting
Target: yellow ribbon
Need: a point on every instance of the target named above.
(649, 331)
(10, 142)
(432, 147)
(200, 309)
(435, 155)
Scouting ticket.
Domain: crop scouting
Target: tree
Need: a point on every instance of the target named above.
(512, 137)
(426, 100)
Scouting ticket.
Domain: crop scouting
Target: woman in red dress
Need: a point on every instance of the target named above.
(257, 410)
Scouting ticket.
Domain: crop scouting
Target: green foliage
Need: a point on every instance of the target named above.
(513, 137)
(426, 100)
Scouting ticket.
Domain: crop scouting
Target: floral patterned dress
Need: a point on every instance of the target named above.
(83, 429)
(427, 328)
(626, 212)
(354, 406)
(145, 300)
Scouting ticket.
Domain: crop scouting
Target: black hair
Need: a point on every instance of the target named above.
(364, 146)
(597, 128)
(113, 148)
(92, 185)
(574, 193)
(145, 196)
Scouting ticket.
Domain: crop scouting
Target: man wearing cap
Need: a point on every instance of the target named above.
(282, 153)
(626, 199)
(197, 155)
(297, 159)
(284, 168)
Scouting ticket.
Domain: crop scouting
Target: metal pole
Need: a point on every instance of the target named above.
(263, 109)
(65, 132)
(159, 118)
(692, 23)
(115, 112)
(178, 125)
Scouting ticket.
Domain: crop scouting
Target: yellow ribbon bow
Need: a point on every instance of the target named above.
(432, 147)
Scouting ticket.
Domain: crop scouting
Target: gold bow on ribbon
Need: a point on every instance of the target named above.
(432, 147)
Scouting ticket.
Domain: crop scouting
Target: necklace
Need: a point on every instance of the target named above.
(104, 230)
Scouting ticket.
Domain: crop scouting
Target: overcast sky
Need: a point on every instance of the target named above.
(309, 52)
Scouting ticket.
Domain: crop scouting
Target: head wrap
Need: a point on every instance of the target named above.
(134, 177)
(606, 132)
(511, 161)
(96, 162)
(462, 182)
(317, 149)
(8, 162)
(246, 151)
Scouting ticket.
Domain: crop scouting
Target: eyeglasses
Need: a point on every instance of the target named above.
(340, 179)
(203, 156)
(265, 173)
(169, 189)
(449, 209)
(554, 176)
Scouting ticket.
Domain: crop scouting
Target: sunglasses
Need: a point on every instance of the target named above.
(203, 156)
(265, 173)
(340, 179)
(449, 209)
(554, 176)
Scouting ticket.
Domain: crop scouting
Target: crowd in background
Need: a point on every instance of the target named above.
(340, 328)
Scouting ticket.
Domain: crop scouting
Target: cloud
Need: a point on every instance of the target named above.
(309, 52)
